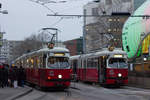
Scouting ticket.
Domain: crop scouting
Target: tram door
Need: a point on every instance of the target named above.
(102, 69)
(75, 62)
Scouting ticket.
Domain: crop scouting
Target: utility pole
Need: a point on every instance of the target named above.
(84, 32)
(0, 5)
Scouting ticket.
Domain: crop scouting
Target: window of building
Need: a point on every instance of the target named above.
(115, 29)
(108, 2)
(109, 30)
(109, 19)
(118, 29)
(94, 11)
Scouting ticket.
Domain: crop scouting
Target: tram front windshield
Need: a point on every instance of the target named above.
(58, 62)
(117, 63)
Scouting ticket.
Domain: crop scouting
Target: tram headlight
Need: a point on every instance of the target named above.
(119, 75)
(59, 76)
(144, 59)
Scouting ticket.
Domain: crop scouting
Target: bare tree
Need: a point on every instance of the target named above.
(31, 43)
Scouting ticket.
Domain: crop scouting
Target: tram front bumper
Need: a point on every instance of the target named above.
(59, 80)
(117, 80)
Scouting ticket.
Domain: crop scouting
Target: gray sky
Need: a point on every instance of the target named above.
(26, 18)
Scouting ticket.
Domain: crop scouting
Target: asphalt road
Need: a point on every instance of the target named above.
(80, 91)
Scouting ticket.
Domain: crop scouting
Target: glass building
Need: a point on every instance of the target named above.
(138, 3)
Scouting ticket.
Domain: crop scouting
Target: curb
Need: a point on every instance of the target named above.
(21, 94)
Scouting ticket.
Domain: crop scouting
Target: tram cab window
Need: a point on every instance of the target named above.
(117, 63)
(95, 62)
(58, 62)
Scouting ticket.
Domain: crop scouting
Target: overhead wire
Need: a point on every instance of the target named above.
(44, 2)
(54, 24)
(44, 5)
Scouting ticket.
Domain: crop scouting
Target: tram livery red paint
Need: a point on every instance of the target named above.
(47, 67)
(104, 67)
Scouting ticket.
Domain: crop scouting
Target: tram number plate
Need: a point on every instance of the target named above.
(59, 84)
(119, 81)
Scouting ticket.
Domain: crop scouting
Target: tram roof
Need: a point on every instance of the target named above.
(106, 52)
(74, 57)
(55, 49)
(100, 53)
(117, 51)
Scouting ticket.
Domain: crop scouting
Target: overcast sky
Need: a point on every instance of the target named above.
(26, 18)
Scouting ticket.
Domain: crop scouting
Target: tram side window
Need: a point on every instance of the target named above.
(89, 63)
(95, 62)
(41, 62)
(24, 65)
(84, 63)
(35, 62)
(31, 62)
(44, 61)
(81, 64)
(27, 63)
(38, 62)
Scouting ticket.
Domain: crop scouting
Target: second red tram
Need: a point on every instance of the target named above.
(104, 67)
(47, 67)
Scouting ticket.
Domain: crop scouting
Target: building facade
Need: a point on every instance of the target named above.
(4, 52)
(8, 53)
(105, 27)
(75, 46)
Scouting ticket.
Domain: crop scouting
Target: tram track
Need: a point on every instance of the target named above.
(23, 94)
(86, 92)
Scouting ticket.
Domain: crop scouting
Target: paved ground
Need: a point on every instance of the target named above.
(8, 93)
(80, 91)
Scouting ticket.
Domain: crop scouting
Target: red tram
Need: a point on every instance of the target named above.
(104, 67)
(47, 67)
